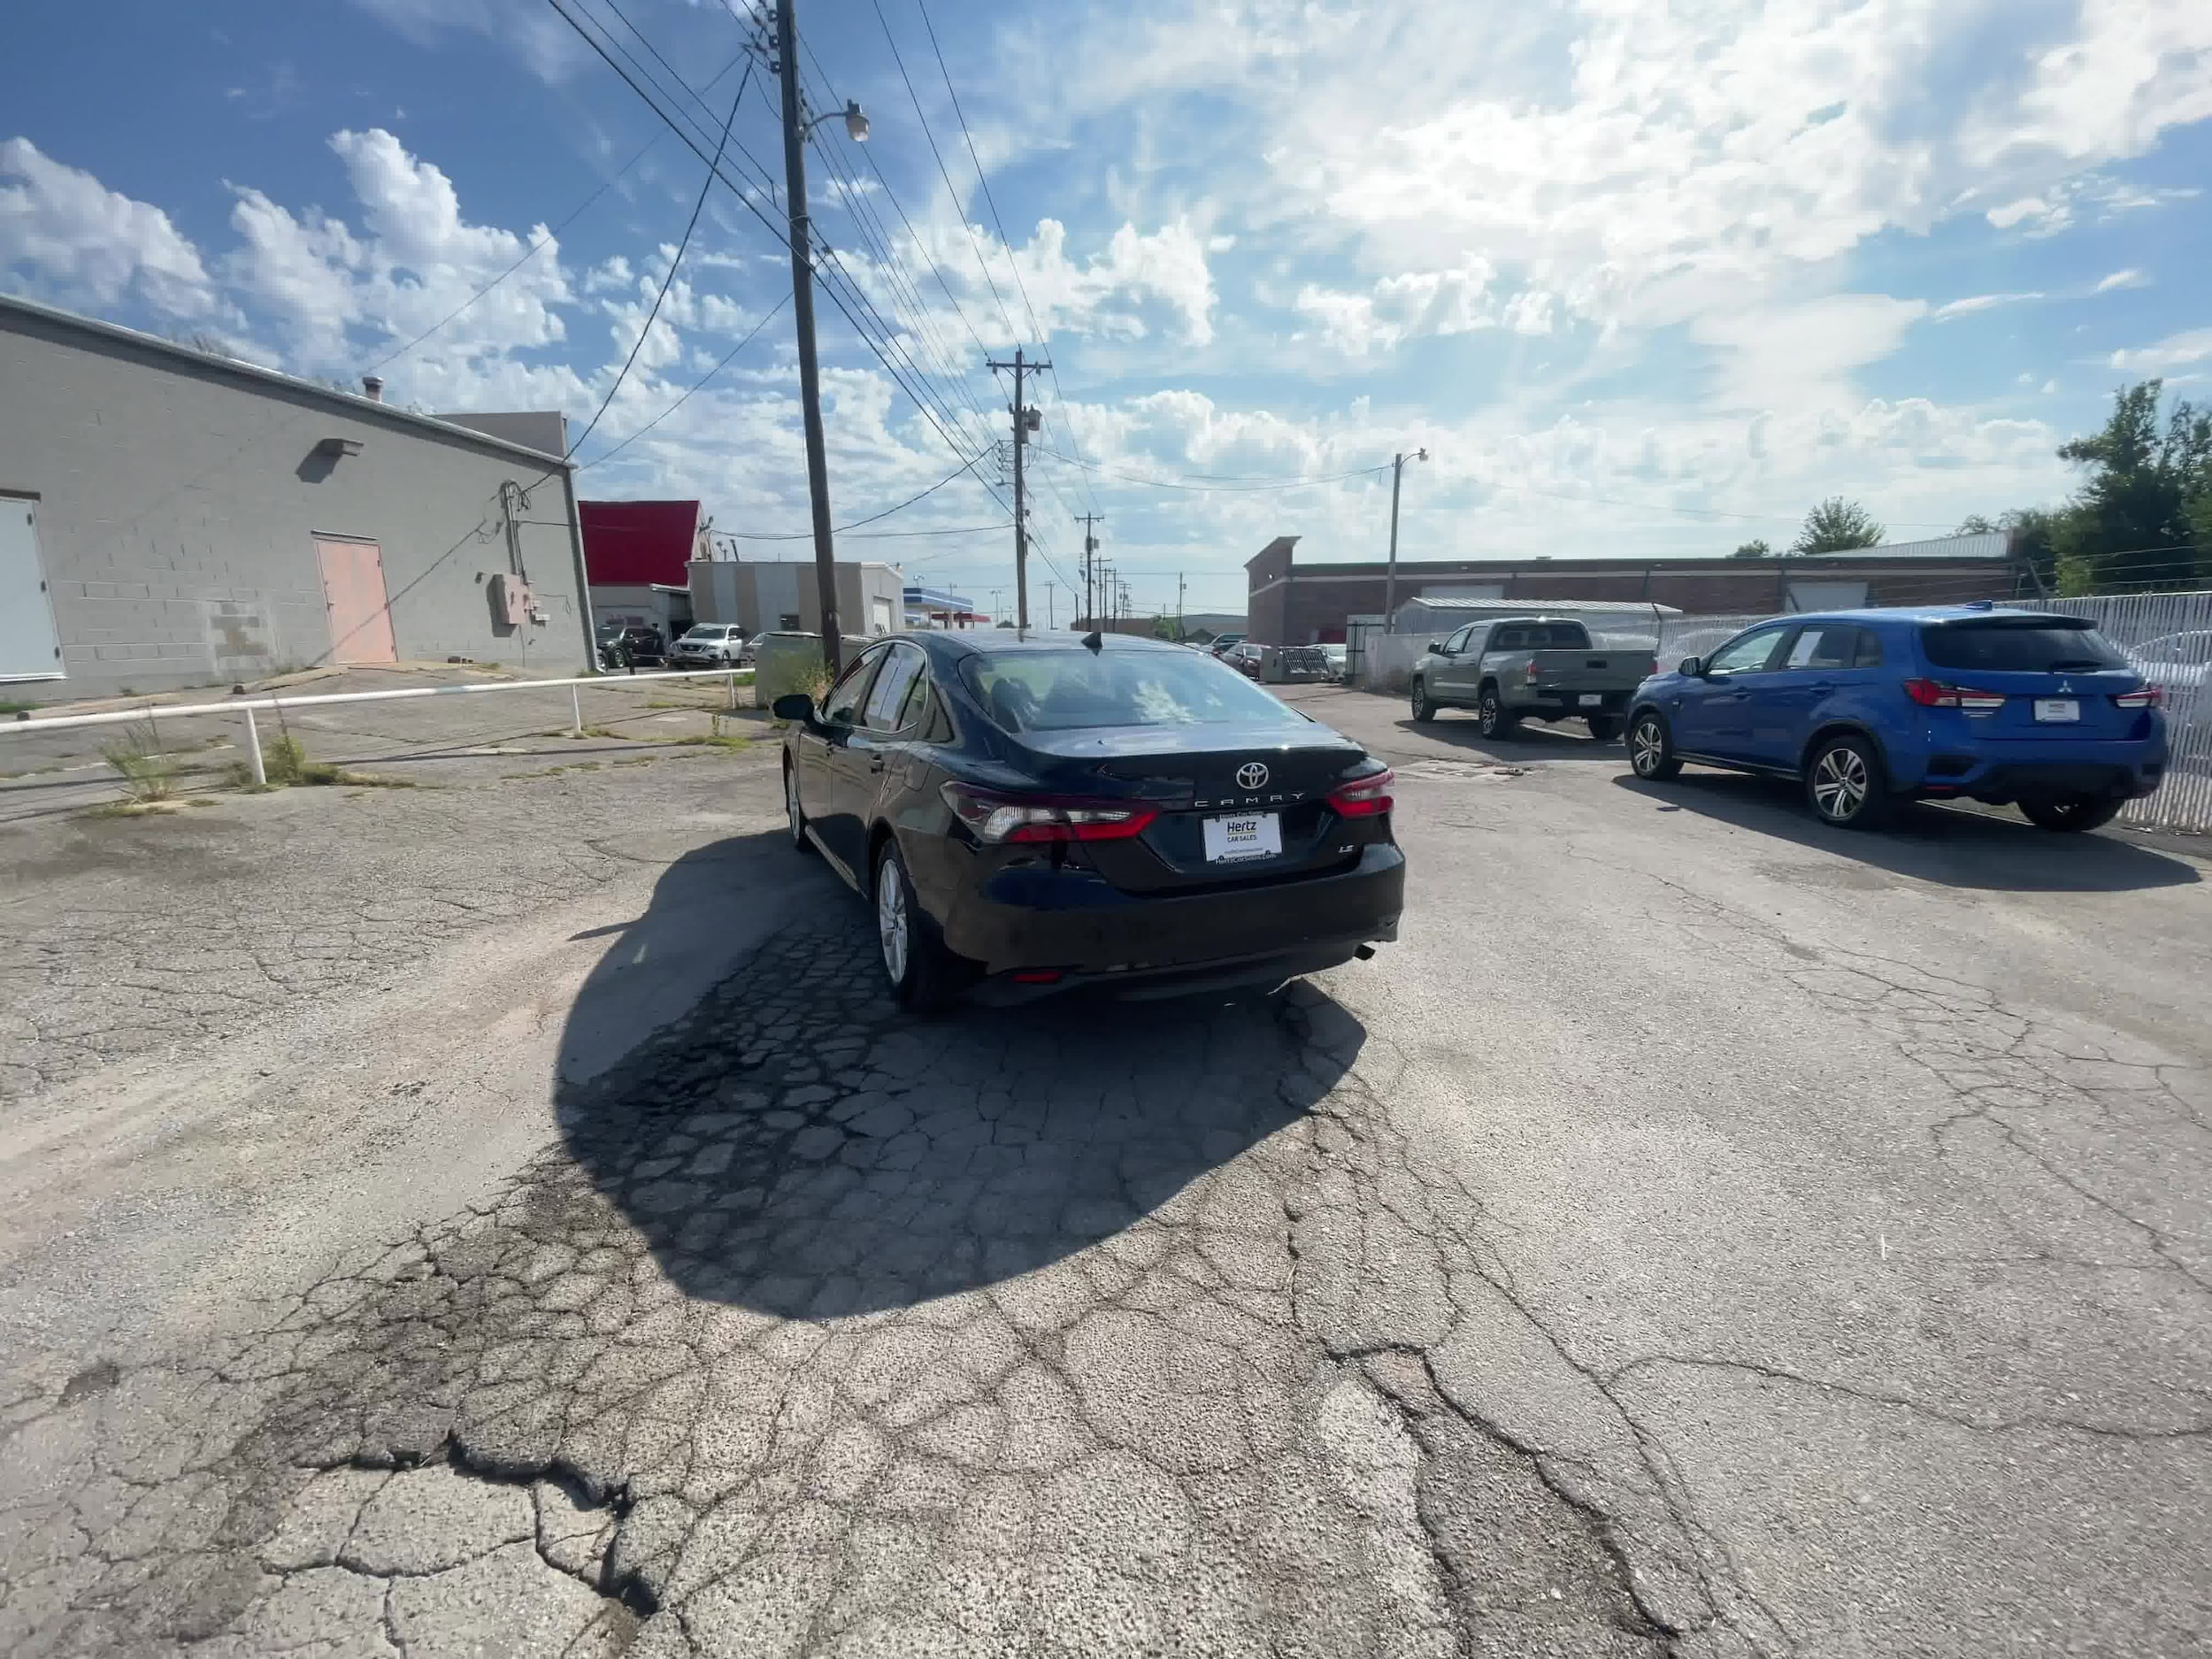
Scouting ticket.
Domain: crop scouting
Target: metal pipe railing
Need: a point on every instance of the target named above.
(154, 712)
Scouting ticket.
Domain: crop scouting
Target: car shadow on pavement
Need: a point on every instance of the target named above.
(1952, 845)
(1523, 744)
(798, 1145)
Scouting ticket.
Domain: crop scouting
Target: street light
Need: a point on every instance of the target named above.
(1390, 579)
(855, 121)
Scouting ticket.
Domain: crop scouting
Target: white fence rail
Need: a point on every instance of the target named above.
(158, 714)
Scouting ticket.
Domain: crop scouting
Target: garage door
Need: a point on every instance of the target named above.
(30, 648)
(353, 588)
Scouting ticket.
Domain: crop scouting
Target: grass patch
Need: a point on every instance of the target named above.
(287, 767)
(721, 737)
(149, 772)
(9, 705)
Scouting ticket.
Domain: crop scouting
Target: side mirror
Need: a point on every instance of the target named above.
(794, 706)
(1691, 667)
(1436, 648)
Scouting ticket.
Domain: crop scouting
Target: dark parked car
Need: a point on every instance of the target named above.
(1867, 708)
(1033, 814)
(631, 646)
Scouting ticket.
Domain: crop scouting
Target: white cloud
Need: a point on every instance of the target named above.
(1416, 304)
(1974, 303)
(548, 46)
(75, 240)
(2175, 351)
(2127, 279)
(1801, 356)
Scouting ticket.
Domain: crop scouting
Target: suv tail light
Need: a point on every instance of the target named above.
(1364, 797)
(2143, 697)
(1934, 694)
(1030, 819)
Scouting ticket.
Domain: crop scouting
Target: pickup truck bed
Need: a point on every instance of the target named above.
(1531, 667)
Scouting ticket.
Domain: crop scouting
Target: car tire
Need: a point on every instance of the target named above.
(1492, 716)
(794, 815)
(925, 977)
(1846, 785)
(2074, 814)
(1651, 755)
(1604, 727)
(1423, 705)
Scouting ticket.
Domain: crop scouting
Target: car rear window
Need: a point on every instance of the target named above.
(1060, 691)
(1543, 637)
(2048, 645)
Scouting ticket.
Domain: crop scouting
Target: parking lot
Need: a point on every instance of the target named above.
(508, 1217)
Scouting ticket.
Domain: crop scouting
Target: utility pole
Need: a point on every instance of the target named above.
(998, 603)
(1179, 585)
(794, 126)
(1390, 578)
(1027, 420)
(1090, 521)
(1050, 590)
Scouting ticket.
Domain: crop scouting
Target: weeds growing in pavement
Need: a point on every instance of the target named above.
(147, 772)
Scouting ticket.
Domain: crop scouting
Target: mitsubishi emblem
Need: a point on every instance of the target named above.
(1251, 775)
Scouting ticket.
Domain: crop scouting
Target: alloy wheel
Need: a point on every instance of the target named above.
(1646, 747)
(791, 805)
(891, 919)
(1840, 783)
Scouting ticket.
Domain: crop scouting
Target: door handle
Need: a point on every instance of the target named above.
(1821, 687)
(875, 763)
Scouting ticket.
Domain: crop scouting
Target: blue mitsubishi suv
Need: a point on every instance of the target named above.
(1869, 708)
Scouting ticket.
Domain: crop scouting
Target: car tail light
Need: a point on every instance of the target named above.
(1653, 674)
(1031, 818)
(1529, 674)
(1934, 694)
(1035, 975)
(1364, 797)
(2143, 697)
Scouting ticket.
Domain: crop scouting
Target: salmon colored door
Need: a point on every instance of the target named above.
(353, 588)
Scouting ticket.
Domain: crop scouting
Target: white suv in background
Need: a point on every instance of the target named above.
(709, 645)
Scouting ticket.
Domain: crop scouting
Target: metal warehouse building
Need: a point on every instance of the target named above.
(170, 518)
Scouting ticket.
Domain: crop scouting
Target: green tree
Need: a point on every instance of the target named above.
(2140, 514)
(1975, 524)
(1836, 525)
(1753, 550)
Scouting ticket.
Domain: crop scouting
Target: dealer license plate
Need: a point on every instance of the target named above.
(1591, 699)
(2059, 709)
(1248, 835)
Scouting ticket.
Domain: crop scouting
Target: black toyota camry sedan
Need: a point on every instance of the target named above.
(1028, 815)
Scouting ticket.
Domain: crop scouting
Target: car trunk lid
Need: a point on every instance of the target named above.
(1189, 775)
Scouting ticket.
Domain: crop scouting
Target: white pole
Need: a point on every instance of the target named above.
(732, 690)
(576, 703)
(253, 746)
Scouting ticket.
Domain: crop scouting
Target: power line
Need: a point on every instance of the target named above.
(1004, 316)
(694, 386)
(1159, 483)
(1037, 330)
(804, 534)
(667, 281)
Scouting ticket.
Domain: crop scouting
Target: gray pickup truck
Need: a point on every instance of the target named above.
(1517, 668)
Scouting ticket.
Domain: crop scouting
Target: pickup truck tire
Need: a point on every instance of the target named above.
(1651, 755)
(1495, 719)
(1605, 727)
(1423, 705)
(1846, 785)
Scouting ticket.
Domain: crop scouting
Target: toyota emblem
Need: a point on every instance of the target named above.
(1251, 775)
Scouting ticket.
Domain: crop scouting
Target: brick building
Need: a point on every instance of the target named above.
(1291, 604)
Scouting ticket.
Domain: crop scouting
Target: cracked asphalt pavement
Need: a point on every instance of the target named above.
(1701, 1234)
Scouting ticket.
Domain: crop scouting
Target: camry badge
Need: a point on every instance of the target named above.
(1251, 775)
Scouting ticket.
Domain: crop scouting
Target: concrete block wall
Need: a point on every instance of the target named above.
(178, 496)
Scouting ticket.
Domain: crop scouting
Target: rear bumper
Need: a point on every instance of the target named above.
(1079, 923)
(2105, 776)
(1561, 705)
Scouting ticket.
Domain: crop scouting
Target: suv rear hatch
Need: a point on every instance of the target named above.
(2058, 677)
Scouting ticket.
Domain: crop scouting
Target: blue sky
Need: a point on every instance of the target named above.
(1644, 280)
